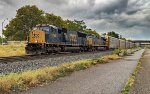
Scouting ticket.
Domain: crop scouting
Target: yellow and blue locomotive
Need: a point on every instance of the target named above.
(52, 39)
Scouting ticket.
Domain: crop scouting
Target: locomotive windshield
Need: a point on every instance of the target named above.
(43, 28)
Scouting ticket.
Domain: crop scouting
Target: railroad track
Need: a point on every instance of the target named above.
(6, 60)
(22, 63)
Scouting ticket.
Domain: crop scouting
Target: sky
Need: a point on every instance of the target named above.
(130, 18)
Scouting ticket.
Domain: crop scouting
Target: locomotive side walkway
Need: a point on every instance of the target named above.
(142, 81)
(107, 78)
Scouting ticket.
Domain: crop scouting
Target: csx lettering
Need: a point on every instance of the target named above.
(35, 35)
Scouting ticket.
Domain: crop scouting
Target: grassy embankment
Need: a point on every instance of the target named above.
(131, 79)
(32, 78)
(12, 50)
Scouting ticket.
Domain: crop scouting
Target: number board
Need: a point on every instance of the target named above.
(73, 37)
(35, 35)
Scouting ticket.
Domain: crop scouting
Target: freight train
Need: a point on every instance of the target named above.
(115, 43)
(46, 38)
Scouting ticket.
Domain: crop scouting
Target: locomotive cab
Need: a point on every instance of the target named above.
(38, 37)
(44, 37)
(44, 34)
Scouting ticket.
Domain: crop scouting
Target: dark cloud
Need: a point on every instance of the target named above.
(7, 2)
(57, 2)
(6, 7)
(128, 17)
(133, 11)
(91, 2)
(117, 6)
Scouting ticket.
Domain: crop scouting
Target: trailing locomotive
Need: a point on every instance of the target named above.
(51, 39)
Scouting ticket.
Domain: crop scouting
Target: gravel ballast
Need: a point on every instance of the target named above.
(107, 78)
(34, 64)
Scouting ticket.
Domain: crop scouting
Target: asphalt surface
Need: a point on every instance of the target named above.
(142, 82)
(107, 78)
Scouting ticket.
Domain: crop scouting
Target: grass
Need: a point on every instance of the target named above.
(131, 79)
(12, 50)
(148, 47)
(117, 51)
(32, 78)
(125, 52)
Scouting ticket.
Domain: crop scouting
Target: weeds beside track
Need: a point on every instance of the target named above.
(33, 78)
(131, 79)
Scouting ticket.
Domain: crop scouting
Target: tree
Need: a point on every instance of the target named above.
(26, 18)
(75, 25)
(123, 38)
(113, 34)
(70, 25)
(4, 40)
(104, 34)
(80, 25)
(90, 31)
(54, 20)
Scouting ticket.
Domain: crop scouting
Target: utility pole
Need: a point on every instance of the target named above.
(2, 29)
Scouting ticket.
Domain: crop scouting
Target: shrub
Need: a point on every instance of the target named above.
(117, 51)
(101, 61)
(82, 64)
(110, 57)
(125, 52)
(66, 68)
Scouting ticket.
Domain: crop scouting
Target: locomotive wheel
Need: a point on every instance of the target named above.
(82, 49)
(49, 50)
(38, 52)
(62, 49)
(90, 49)
(57, 49)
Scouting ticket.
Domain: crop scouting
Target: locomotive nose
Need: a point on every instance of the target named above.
(37, 36)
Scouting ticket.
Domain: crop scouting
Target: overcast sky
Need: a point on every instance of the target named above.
(130, 18)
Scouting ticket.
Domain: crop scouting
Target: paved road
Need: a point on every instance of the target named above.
(107, 78)
(142, 82)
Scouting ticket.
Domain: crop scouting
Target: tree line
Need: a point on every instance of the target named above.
(28, 17)
(115, 35)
